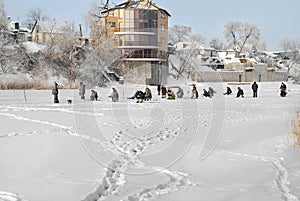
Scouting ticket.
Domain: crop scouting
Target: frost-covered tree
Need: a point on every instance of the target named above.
(241, 36)
(34, 15)
(93, 21)
(217, 44)
(292, 48)
(179, 33)
(62, 55)
(3, 18)
(14, 58)
(7, 52)
(103, 54)
(99, 60)
(198, 38)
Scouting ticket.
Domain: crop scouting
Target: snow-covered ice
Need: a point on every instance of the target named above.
(224, 148)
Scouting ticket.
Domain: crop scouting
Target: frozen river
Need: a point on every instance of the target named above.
(224, 148)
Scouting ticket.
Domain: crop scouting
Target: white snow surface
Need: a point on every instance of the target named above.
(32, 47)
(223, 148)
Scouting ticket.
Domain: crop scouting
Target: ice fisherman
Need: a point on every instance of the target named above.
(283, 89)
(180, 93)
(158, 89)
(148, 94)
(171, 94)
(228, 91)
(254, 89)
(163, 91)
(94, 95)
(240, 93)
(139, 96)
(211, 91)
(82, 90)
(206, 93)
(55, 92)
(195, 93)
(114, 95)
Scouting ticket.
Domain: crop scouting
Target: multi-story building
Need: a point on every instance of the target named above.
(140, 29)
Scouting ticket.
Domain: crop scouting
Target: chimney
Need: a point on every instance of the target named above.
(80, 30)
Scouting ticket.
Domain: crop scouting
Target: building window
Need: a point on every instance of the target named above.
(162, 27)
(111, 24)
(162, 15)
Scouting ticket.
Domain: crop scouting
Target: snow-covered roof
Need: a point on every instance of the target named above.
(12, 26)
(51, 26)
(136, 5)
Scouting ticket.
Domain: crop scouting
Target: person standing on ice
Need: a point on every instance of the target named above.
(158, 89)
(82, 90)
(114, 95)
(254, 89)
(240, 93)
(163, 91)
(195, 93)
(55, 92)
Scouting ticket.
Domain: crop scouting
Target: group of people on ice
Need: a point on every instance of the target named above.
(165, 92)
(94, 94)
(141, 96)
(254, 87)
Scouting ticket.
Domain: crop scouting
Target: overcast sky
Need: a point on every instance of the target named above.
(276, 19)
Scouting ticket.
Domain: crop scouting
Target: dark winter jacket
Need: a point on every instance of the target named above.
(254, 86)
(240, 92)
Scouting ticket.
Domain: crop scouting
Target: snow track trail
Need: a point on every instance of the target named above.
(6, 196)
(115, 175)
(113, 179)
(281, 181)
(129, 152)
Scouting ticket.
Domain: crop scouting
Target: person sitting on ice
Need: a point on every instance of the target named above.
(148, 94)
(211, 91)
(171, 94)
(94, 95)
(228, 91)
(139, 96)
(206, 93)
(283, 89)
(180, 93)
(240, 93)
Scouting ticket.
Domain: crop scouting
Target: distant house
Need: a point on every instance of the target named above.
(48, 32)
(17, 32)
